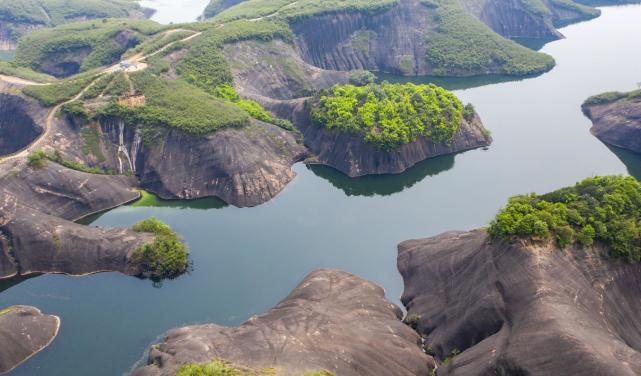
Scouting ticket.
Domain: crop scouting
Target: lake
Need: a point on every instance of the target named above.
(246, 260)
(175, 11)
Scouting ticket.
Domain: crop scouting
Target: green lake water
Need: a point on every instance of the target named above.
(246, 260)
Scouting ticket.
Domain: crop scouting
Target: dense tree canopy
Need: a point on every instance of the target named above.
(605, 209)
(390, 115)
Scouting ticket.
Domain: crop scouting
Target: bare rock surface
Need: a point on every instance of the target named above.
(514, 309)
(24, 331)
(332, 320)
(617, 123)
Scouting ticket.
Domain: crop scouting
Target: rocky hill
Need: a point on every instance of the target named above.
(547, 299)
(25, 331)
(333, 321)
(20, 17)
(616, 119)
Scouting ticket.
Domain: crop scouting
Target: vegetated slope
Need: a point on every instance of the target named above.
(616, 118)
(216, 6)
(18, 17)
(542, 294)
(419, 37)
(333, 321)
(78, 47)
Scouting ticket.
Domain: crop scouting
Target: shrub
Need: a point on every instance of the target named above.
(469, 112)
(37, 159)
(605, 209)
(390, 115)
(362, 77)
(165, 257)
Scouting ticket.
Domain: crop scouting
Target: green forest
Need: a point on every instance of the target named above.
(390, 115)
(604, 209)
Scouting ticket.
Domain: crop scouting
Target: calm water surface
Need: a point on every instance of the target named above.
(175, 11)
(246, 260)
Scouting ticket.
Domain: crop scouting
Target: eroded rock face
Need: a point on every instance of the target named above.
(24, 331)
(243, 167)
(349, 154)
(275, 70)
(617, 123)
(513, 309)
(390, 41)
(332, 320)
(512, 19)
(32, 242)
(17, 126)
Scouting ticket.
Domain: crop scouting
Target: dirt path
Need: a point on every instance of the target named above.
(47, 129)
(137, 64)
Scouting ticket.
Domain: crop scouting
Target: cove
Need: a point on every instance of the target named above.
(246, 260)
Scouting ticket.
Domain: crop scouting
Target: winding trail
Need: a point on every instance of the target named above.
(136, 63)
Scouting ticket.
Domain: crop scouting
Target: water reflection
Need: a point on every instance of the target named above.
(6, 284)
(383, 185)
(452, 83)
(150, 200)
(632, 161)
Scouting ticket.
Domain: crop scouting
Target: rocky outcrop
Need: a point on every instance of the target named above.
(351, 155)
(18, 128)
(391, 41)
(516, 309)
(37, 236)
(24, 331)
(617, 122)
(274, 70)
(332, 320)
(512, 19)
(243, 167)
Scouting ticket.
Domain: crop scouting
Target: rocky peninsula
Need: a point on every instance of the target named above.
(616, 119)
(24, 331)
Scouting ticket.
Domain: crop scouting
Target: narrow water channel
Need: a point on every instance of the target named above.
(246, 260)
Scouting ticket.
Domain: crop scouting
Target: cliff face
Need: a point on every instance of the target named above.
(17, 126)
(511, 309)
(243, 167)
(392, 41)
(275, 71)
(25, 331)
(349, 154)
(332, 320)
(617, 123)
(511, 19)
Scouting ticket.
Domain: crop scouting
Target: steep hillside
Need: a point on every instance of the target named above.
(333, 323)
(553, 289)
(18, 17)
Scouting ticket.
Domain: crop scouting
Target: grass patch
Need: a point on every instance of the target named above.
(91, 137)
(390, 115)
(222, 368)
(463, 45)
(166, 256)
(177, 104)
(54, 12)
(604, 209)
(296, 10)
(59, 91)
(610, 97)
(7, 310)
(12, 69)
